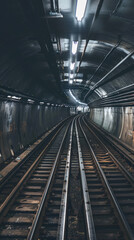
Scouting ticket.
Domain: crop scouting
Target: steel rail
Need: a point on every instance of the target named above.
(113, 141)
(64, 200)
(116, 161)
(103, 80)
(11, 197)
(91, 235)
(49, 134)
(120, 215)
(34, 230)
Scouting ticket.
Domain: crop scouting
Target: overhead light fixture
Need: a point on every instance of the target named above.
(71, 75)
(79, 80)
(55, 15)
(30, 101)
(74, 47)
(71, 81)
(17, 98)
(80, 9)
(14, 97)
(72, 66)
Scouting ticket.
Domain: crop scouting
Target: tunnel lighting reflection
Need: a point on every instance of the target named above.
(76, 99)
(80, 9)
(74, 47)
(101, 92)
(72, 66)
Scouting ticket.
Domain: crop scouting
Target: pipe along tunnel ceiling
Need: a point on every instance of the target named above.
(36, 51)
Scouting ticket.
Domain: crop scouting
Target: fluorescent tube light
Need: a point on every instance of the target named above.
(17, 98)
(72, 66)
(74, 47)
(30, 101)
(71, 75)
(80, 9)
(71, 81)
(79, 80)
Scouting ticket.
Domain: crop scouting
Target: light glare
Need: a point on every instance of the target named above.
(74, 47)
(30, 101)
(71, 81)
(80, 9)
(76, 98)
(71, 75)
(72, 66)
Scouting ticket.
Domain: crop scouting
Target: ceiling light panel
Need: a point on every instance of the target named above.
(71, 75)
(80, 9)
(74, 47)
(78, 80)
(70, 81)
(72, 66)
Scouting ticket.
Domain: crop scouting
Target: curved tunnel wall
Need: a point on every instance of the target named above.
(118, 121)
(21, 124)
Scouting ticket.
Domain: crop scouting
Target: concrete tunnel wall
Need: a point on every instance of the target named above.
(21, 124)
(118, 121)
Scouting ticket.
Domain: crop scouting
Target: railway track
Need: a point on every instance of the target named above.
(124, 154)
(118, 183)
(20, 205)
(74, 189)
(54, 216)
(7, 184)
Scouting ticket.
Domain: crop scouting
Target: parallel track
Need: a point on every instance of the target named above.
(122, 152)
(39, 206)
(9, 182)
(118, 182)
(18, 210)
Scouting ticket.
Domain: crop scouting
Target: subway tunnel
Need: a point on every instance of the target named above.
(67, 79)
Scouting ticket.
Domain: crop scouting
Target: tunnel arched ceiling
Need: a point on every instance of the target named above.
(36, 50)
